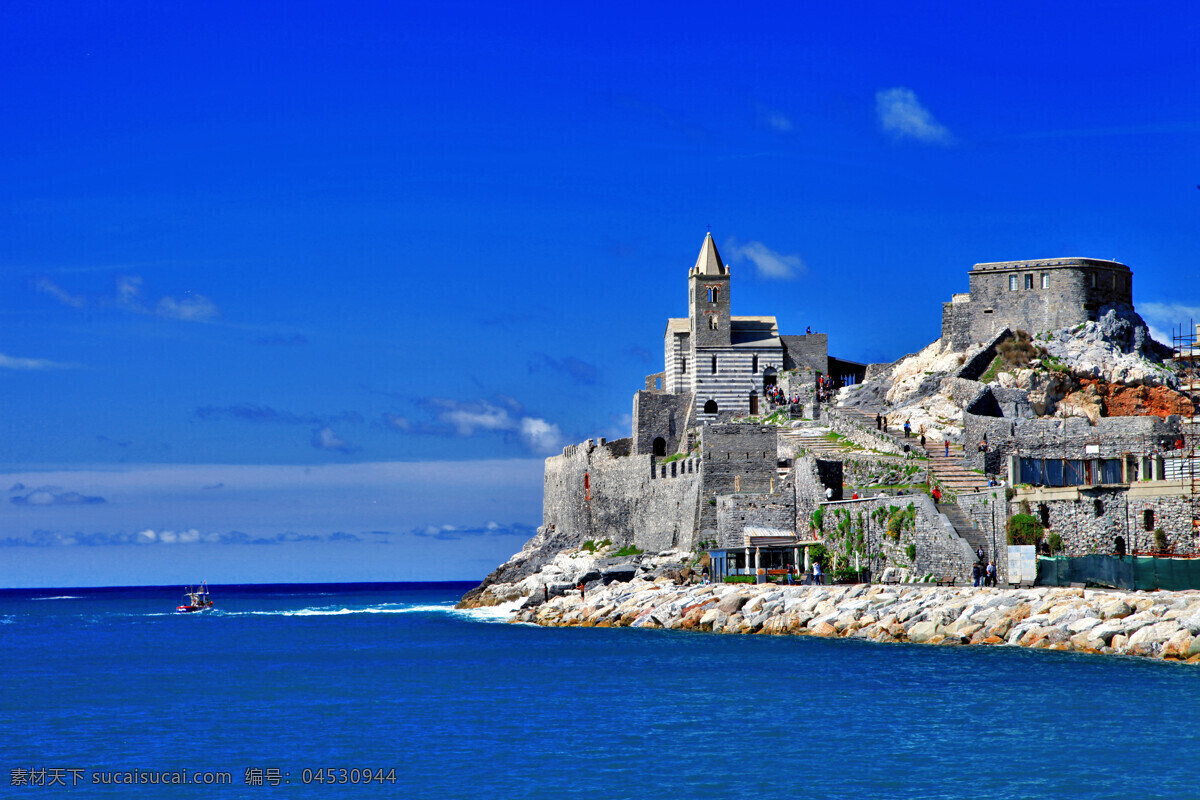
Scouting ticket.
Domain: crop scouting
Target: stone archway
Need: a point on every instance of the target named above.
(710, 407)
(659, 446)
(770, 378)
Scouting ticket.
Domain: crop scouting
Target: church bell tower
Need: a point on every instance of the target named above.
(708, 298)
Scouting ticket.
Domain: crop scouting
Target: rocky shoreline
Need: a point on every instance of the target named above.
(1163, 625)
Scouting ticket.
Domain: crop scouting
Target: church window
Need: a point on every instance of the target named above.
(1012, 283)
(714, 322)
(1045, 280)
(683, 366)
(1029, 281)
(754, 368)
(1093, 280)
(714, 365)
(714, 293)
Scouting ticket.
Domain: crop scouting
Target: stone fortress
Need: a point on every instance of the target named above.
(1042, 295)
(711, 466)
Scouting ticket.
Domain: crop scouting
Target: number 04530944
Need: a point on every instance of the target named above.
(348, 775)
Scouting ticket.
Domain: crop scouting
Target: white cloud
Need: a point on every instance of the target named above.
(191, 308)
(396, 422)
(903, 116)
(540, 436)
(467, 419)
(326, 439)
(769, 263)
(47, 286)
(13, 362)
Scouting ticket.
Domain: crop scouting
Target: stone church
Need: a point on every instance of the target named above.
(717, 364)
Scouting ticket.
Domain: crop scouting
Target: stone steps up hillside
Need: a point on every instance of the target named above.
(949, 472)
(816, 442)
(967, 530)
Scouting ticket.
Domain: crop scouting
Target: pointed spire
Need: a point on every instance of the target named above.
(709, 262)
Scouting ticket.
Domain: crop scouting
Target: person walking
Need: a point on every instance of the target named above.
(976, 574)
(817, 576)
(878, 422)
(907, 429)
(947, 442)
(991, 574)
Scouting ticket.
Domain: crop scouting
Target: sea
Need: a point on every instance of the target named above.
(363, 690)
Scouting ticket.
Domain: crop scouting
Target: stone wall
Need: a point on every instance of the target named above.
(861, 470)
(657, 415)
(988, 511)
(737, 457)
(736, 512)
(590, 494)
(806, 350)
(1062, 438)
(1089, 518)
(939, 549)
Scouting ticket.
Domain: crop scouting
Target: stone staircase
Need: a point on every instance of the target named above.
(815, 441)
(953, 477)
(967, 530)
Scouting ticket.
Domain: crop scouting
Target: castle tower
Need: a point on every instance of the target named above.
(708, 298)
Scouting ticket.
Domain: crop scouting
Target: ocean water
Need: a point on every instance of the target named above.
(296, 683)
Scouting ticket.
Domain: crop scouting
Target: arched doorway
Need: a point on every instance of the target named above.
(770, 378)
(753, 403)
(660, 446)
(710, 407)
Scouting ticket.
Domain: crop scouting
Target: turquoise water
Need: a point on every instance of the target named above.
(382, 677)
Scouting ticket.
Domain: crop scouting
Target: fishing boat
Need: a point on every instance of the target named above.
(198, 600)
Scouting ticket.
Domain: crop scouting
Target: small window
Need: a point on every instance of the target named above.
(683, 366)
(712, 323)
(1029, 281)
(713, 293)
(1148, 519)
(1012, 283)
(714, 365)
(754, 367)
(1093, 280)
(1114, 282)
(1098, 507)
(1045, 280)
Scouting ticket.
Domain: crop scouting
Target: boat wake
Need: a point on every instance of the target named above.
(59, 597)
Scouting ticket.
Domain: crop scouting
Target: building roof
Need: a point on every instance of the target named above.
(709, 261)
(1050, 262)
(744, 331)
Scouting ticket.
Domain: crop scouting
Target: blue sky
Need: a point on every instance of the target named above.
(238, 242)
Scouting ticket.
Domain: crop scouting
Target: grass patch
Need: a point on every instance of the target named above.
(628, 550)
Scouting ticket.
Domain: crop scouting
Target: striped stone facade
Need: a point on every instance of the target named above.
(723, 359)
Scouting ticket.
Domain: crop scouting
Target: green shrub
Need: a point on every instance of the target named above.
(1024, 529)
(628, 550)
(911, 551)
(818, 519)
(739, 579)
(1055, 541)
(1160, 540)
